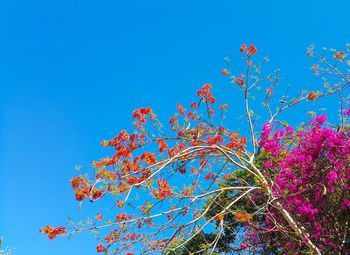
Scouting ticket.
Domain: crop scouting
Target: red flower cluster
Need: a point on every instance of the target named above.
(83, 190)
(164, 190)
(123, 217)
(122, 137)
(53, 232)
(205, 94)
(110, 176)
(162, 144)
(141, 114)
(100, 248)
(216, 140)
(181, 109)
(149, 158)
(251, 49)
(78, 182)
(113, 235)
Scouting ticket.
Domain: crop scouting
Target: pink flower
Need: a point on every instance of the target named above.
(321, 119)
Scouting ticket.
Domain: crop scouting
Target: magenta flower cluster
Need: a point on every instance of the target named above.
(310, 172)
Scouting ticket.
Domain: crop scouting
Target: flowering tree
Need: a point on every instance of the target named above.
(197, 187)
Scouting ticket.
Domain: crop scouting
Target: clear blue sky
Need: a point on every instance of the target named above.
(72, 71)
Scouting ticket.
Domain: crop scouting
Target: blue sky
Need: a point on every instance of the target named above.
(71, 72)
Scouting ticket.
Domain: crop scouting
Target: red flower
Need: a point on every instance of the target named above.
(339, 55)
(187, 192)
(209, 176)
(211, 111)
(205, 93)
(239, 81)
(100, 248)
(141, 114)
(164, 189)
(162, 145)
(53, 232)
(251, 50)
(224, 108)
(194, 105)
(182, 169)
(149, 158)
(207, 86)
(225, 72)
(77, 182)
(121, 217)
(97, 194)
(173, 120)
(81, 194)
(181, 109)
(216, 140)
(181, 133)
(243, 48)
(98, 217)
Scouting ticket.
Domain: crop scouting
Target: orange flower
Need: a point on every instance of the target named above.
(243, 217)
(339, 55)
(120, 204)
(219, 217)
(243, 140)
(312, 96)
(149, 158)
